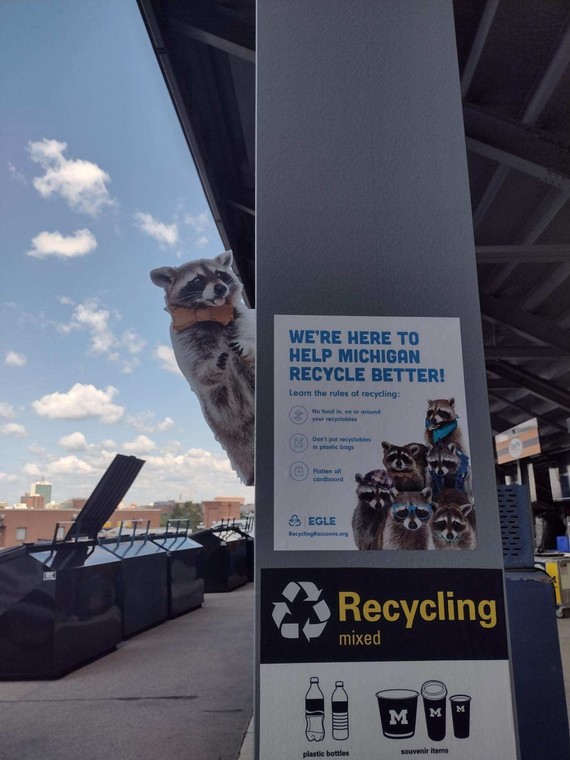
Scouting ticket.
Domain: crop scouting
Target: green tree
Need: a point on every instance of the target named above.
(188, 510)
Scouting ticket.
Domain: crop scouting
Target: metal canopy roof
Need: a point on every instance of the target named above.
(514, 59)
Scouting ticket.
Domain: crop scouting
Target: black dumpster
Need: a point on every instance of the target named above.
(144, 579)
(58, 608)
(59, 601)
(222, 563)
(230, 530)
(185, 587)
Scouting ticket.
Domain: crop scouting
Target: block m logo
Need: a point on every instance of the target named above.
(435, 712)
(399, 717)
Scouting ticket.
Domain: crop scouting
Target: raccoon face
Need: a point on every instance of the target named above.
(440, 412)
(443, 459)
(412, 509)
(373, 488)
(206, 282)
(398, 458)
(366, 489)
(450, 522)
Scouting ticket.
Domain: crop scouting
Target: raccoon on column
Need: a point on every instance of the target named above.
(213, 337)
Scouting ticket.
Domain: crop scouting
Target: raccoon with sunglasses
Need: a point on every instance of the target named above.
(408, 519)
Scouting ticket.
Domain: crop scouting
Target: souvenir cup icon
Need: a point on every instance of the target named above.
(433, 695)
(460, 714)
(398, 708)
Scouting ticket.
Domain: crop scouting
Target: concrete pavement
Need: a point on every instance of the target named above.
(180, 691)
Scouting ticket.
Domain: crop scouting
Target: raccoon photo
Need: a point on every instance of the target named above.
(374, 499)
(453, 523)
(213, 337)
(374, 486)
(368, 523)
(448, 467)
(408, 520)
(441, 423)
(406, 465)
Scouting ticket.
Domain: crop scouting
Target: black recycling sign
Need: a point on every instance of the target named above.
(367, 615)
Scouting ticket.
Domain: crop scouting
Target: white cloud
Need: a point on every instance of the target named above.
(6, 410)
(200, 222)
(32, 470)
(165, 234)
(16, 174)
(79, 403)
(96, 319)
(69, 465)
(74, 442)
(65, 300)
(82, 184)
(14, 359)
(141, 445)
(47, 244)
(11, 428)
(146, 423)
(202, 241)
(168, 361)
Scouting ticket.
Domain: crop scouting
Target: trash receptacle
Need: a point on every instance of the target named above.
(185, 587)
(58, 608)
(222, 564)
(143, 581)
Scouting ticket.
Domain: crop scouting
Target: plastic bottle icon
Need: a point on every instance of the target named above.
(339, 712)
(315, 712)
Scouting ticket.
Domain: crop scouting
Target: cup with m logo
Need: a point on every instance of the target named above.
(434, 694)
(398, 708)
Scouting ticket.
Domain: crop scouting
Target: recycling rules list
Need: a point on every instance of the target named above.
(351, 392)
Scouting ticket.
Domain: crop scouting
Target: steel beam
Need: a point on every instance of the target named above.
(544, 389)
(522, 254)
(507, 312)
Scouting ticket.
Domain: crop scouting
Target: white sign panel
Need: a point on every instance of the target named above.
(370, 428)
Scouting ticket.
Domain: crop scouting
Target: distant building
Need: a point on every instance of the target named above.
(33, 501)
(76, 503)
(42, 488)
(222, 508)
(18, 526)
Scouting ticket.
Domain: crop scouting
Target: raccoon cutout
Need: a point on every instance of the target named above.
(453, 524)
(441, 423)
(408, 520)
(406, 465)
(369, 516)
(448, 467)
(213, 337)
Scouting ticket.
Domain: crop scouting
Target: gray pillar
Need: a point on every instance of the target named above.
(363, 209)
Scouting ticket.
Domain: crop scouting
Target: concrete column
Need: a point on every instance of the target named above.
(363, 202)
(363, 209)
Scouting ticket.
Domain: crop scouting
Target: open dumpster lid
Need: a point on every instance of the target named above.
(106, 497)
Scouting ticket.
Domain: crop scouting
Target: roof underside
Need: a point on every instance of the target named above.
(514, 60)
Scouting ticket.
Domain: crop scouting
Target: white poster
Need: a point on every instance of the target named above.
(373, 662)
(458, 709)
(371, 435)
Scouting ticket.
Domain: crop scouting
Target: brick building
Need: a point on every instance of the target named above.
(28, 525)
(222, 508)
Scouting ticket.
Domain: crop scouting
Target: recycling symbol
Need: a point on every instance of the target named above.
(314, 616)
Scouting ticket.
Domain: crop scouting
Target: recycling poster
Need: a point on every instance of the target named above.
(362, 663)
(371, 435)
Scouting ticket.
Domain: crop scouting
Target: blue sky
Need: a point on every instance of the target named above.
(98, 187)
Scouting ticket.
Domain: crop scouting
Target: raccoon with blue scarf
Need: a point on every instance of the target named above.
(442, 423)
